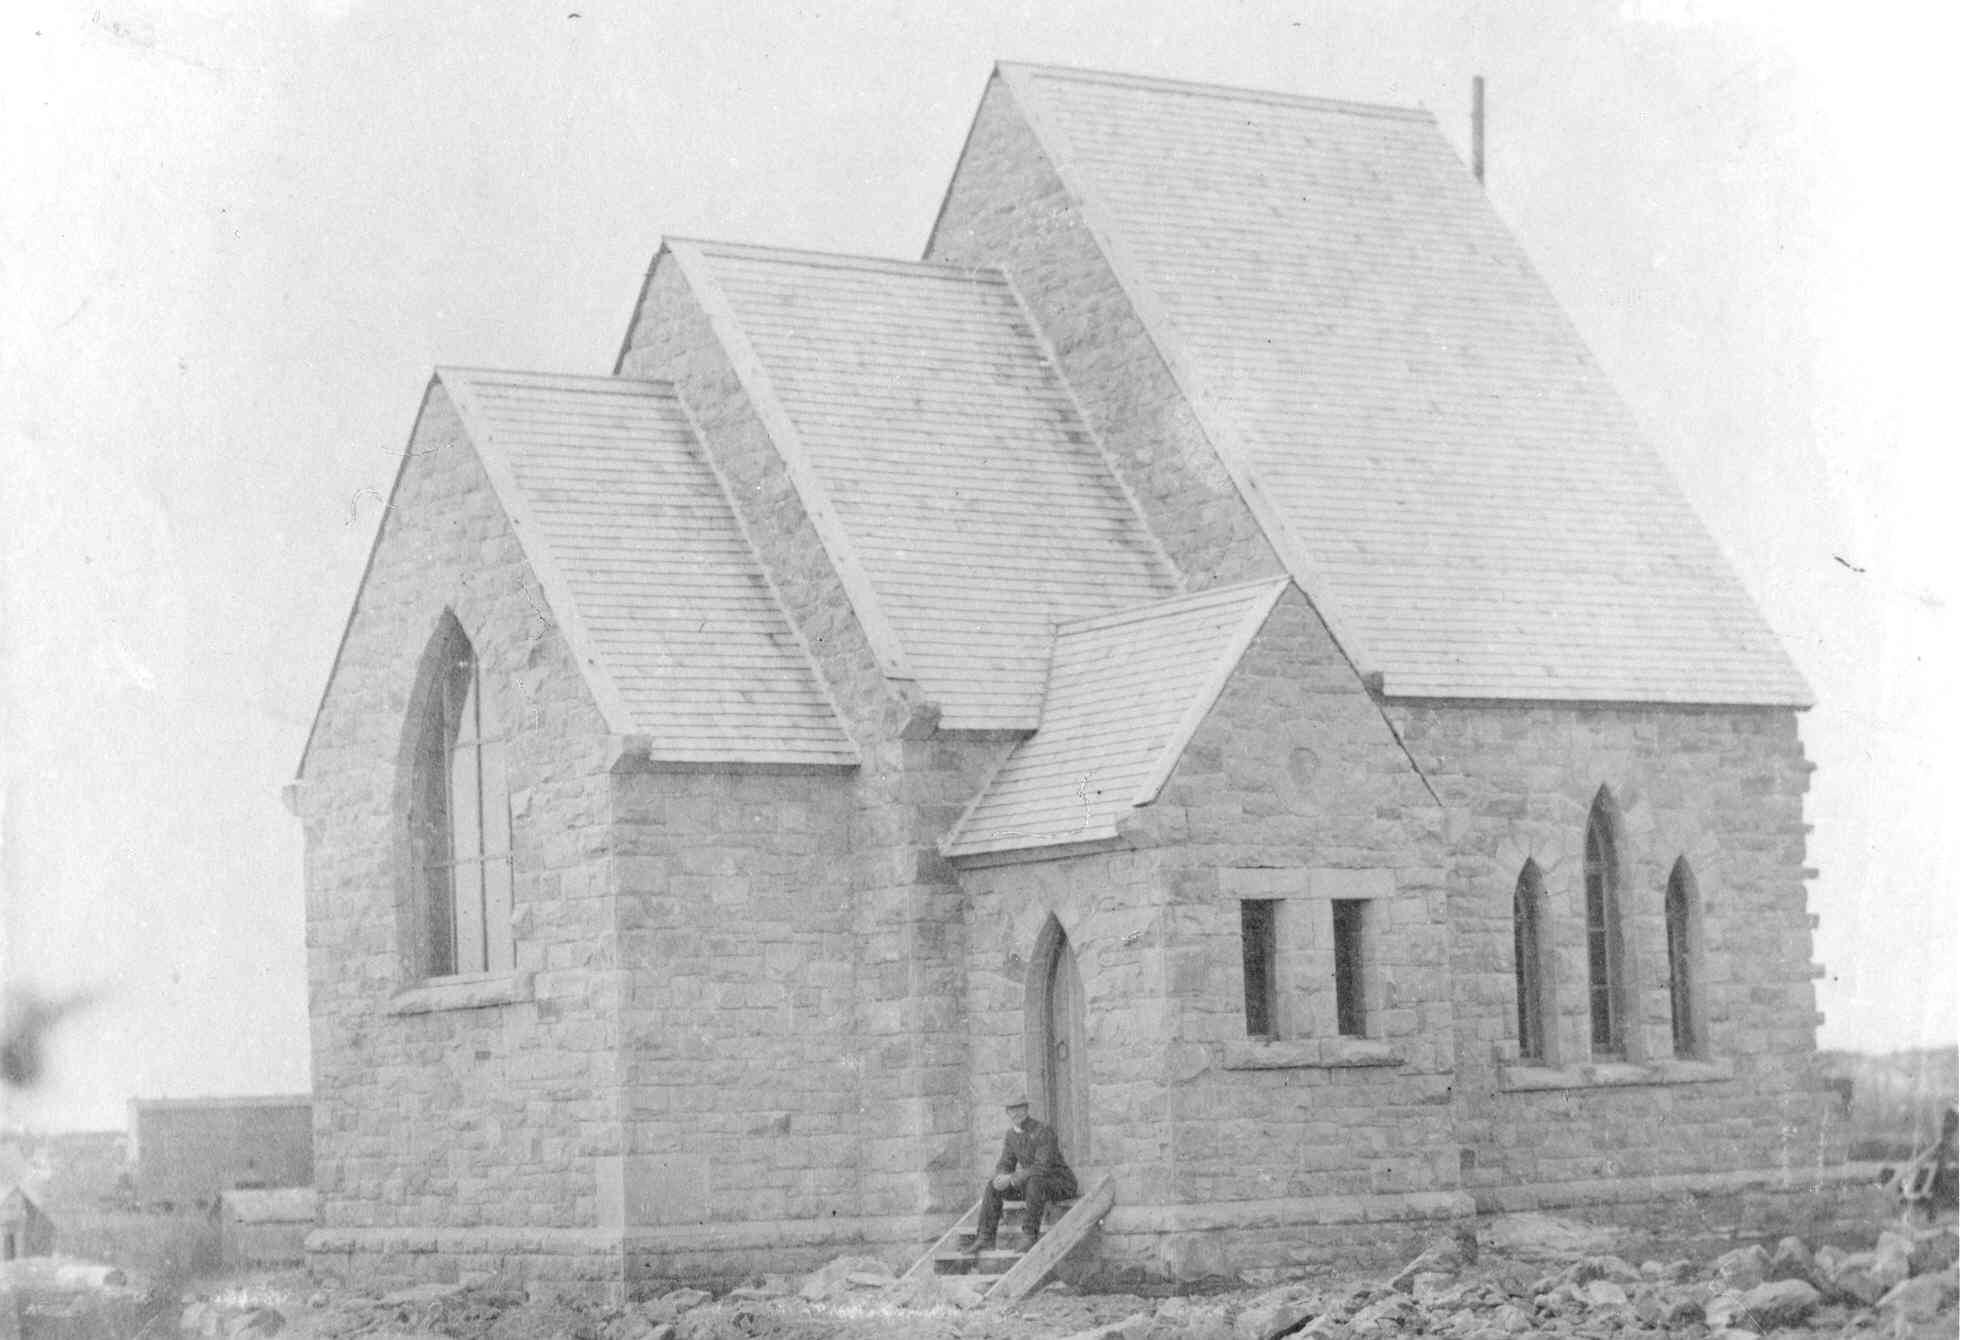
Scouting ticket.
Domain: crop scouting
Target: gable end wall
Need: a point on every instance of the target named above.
(1007, 207)
(673, 340)
(449, 1138)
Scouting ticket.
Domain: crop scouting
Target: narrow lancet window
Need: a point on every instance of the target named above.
(1259, 968)
(1348, 954)
(1682, 922)
(1603, 943)
(1529, 963)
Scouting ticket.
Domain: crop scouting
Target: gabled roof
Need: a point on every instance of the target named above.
(651, 579)
(939, 450)
(1415, 422)
(1125, 693)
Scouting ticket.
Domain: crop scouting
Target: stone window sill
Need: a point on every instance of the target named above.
(1612, 1075)
(1308, 1054)
(471, 991)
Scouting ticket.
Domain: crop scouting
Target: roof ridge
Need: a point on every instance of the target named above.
(596, 380)
(837, 260)
(1173, 605)
(1163, 84)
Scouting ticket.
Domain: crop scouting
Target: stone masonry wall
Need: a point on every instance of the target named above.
(741, 1061)
(1007, 207)
(1293, 789)
(1111, 908)
(903, 931)
(455, 1135)
(1721, 788)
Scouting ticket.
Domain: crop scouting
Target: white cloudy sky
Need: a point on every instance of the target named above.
(235, 239)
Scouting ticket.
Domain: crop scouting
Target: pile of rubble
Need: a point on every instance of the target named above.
(1905, 1285)
(1909, 1280)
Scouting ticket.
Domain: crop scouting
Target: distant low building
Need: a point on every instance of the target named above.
(24, 1229)
(264, 1228)
(190, 1150)
(67, 1168)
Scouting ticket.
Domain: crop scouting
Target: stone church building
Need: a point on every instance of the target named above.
(1206, 645)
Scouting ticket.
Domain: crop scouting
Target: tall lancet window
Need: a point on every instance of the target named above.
(1682, 959)
(1603, 942)
(1529, 963)
(461, 823)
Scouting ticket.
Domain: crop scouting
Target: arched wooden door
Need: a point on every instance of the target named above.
(1058, 1043)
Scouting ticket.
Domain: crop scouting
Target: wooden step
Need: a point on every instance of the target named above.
(996, 1261)
(946, 1257)
(1033, 1266)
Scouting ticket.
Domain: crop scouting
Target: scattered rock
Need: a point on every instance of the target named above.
(1890, 1261)
(1436, 1288)
(1603, 1293)
(1193, 1319)
(1743, 1268)
(1722, 1310)
(1934, 1249)
(834, 1278)
(1778, 1303)
(1388, 1315)
(1276, 1311)
(926, 1292)
(256, 1323)
(1612, 1268)
(673, 1304)
(1792, 1261)
(1511, 1320)
(1922, 1298)
(1446, 1254)
(1853, 1280)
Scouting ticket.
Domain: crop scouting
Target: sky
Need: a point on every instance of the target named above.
(234, 241)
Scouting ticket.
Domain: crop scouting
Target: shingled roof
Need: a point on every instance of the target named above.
(1418, 426)
(1124, 694)
(928, 431)
(651, 579)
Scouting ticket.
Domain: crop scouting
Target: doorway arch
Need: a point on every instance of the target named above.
(1054, 1041)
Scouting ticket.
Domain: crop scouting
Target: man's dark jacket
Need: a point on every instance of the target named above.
(1032, 1149)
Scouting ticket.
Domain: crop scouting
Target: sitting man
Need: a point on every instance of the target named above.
(1032, 1164)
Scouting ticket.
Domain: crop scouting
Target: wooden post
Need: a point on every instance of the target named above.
(1480, 131)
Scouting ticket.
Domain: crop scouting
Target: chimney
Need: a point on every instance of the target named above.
(1480, 131)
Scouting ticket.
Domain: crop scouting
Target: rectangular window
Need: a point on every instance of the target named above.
(1259, 967)
(1348, 951)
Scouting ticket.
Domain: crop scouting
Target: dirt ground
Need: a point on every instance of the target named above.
(1526, 1275)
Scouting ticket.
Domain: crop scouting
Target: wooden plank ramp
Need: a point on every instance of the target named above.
(1041, 1260)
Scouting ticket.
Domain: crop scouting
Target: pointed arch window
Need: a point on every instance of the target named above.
(1603, 941)
(1682, 959)
(461, 827)
(1531, 1035)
